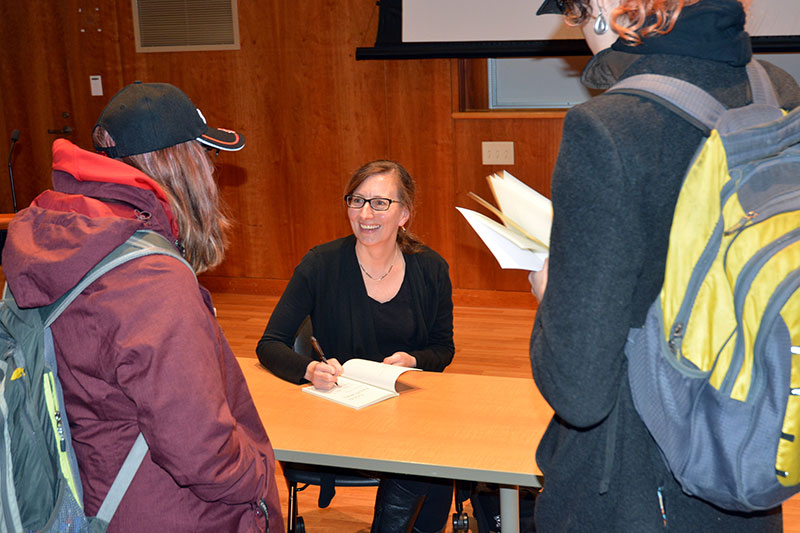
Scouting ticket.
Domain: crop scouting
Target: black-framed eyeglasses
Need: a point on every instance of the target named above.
(354, 201)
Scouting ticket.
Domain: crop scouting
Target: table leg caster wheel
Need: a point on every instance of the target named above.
(460, 522)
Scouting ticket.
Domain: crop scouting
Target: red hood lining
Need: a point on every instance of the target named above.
(87, 166)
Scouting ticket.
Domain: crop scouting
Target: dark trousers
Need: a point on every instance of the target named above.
(406, 504)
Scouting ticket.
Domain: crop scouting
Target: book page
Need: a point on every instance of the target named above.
(375, 373)
(511, 249)
(523, 205)
(363, 383)
(352, 393)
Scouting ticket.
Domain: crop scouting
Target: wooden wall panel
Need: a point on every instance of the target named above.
(536, 141)
(34, 93)
(420, 130)
(311, 114)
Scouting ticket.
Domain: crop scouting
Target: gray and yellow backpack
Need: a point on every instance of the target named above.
(715, 370)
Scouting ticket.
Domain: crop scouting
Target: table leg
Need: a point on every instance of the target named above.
(509, 509)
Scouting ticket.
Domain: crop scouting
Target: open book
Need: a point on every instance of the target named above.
(522, 241)
(363, 383)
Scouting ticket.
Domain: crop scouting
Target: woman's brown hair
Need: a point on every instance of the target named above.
(186, 174)
(406, 190)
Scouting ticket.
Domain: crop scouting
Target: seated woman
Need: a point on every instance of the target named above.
(378, 294)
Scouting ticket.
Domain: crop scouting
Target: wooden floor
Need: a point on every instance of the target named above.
(491, 341)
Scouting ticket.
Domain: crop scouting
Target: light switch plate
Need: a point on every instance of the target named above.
(96, 85)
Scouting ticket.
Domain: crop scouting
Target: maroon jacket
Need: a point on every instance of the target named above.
(141, 351)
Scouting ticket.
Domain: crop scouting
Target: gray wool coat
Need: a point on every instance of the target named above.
(614, 189)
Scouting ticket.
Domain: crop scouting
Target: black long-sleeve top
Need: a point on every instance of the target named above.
(327, 286)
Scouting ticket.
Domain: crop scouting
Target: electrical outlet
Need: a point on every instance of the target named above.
(498, 153)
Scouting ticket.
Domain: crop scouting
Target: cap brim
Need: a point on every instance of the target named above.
(222, 139)
(550, 7)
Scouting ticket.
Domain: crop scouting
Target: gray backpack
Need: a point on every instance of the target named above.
(715, 370)
(40, 486)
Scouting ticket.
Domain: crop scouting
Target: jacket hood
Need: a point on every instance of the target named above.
(95, 205)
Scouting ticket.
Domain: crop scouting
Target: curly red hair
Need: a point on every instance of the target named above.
(634, 20)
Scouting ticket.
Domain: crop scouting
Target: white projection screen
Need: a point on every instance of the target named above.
(516, 20)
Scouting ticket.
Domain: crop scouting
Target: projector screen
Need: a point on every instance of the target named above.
(516, 20)
(510, 28)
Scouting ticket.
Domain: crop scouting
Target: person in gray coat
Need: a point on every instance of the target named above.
(614, 189)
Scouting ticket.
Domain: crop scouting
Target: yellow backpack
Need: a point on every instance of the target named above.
(715, 371)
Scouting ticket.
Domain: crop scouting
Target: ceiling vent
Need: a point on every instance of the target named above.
(185, 25)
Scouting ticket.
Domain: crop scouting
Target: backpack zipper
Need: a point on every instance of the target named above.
(56, 420)
(784, 202)
(701, 268)
(741, 289)
(782, 294)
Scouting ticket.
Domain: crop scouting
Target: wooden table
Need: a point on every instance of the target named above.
(5, 218)
(454, 426)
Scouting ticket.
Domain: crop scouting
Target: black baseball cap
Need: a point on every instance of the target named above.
(551, 7)
(145, 117)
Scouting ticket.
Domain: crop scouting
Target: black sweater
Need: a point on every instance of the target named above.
(327, 285)
(615, 184)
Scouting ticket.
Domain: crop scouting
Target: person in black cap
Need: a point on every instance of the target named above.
(140, 349)
(148, 124)
(614, 189)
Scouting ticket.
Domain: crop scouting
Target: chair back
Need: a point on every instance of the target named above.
(302, 339)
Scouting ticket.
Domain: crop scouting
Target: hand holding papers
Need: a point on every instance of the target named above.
(363, 383)
(523, 240)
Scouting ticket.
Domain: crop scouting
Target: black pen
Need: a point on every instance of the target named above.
(318, 349)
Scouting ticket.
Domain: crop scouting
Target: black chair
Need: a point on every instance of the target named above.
(326, 478)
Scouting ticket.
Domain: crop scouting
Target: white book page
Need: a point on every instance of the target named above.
(525, 206)
(377, 374)
(352, 393)
(511, 249)
(363, 383)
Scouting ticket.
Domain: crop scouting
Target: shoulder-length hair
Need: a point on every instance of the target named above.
(406, 189)
(186, 174)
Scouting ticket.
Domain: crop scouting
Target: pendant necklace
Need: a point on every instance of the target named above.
(379, 278)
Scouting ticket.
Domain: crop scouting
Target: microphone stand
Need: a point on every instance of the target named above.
(14, 139)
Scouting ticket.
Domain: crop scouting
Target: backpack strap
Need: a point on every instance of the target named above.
(691, 102)
(123, 480)
(760, 85)
(140, 244)
(683, 98)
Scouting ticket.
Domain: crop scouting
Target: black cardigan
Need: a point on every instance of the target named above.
(327, 285)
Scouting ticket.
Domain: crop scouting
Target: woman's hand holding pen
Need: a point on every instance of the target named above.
(323, 373)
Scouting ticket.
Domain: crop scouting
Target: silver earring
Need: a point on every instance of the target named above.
(600, 24)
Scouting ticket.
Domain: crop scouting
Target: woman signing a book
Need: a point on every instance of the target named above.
(614, 189)
(378, 294)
